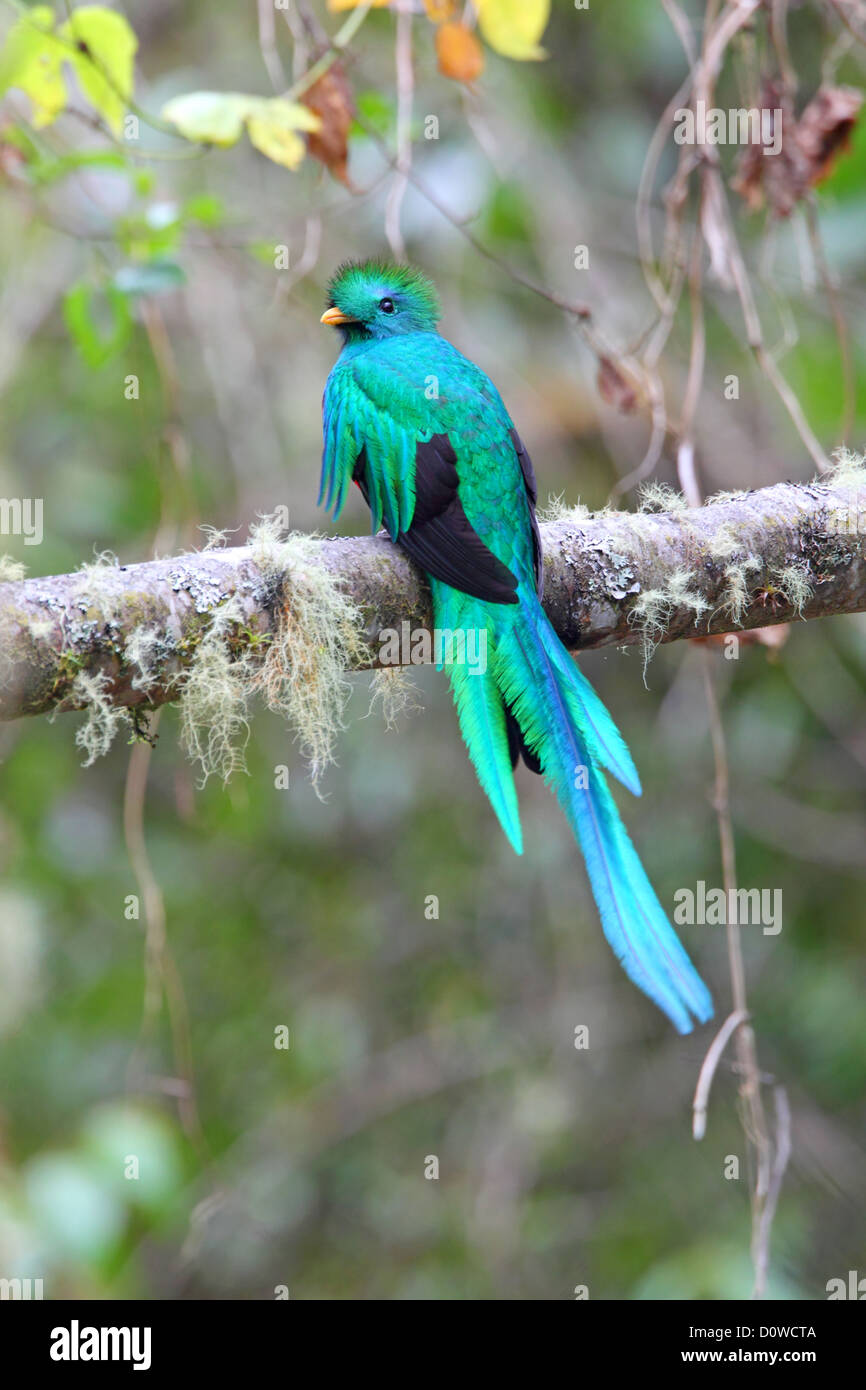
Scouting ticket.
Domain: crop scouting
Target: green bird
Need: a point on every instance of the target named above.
(425, 435)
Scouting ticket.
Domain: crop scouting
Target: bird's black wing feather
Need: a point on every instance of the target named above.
(442, 541)
(441, 538)
(532, 493)
(517, 746)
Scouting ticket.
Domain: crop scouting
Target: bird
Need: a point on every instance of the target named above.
(424, 434)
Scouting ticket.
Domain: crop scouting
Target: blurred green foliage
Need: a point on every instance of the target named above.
(410, 1036)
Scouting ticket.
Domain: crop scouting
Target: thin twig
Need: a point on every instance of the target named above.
(781, 1157)
(754, 1118)
(708, 1071)
(405, 91)
(268, 44)
(323, 64)
(161, 973)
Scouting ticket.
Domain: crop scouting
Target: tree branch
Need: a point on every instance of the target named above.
(740, 562)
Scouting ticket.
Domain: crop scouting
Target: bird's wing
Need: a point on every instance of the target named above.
(441, 538)
(380, 429)
(531, 487)
(372, 422)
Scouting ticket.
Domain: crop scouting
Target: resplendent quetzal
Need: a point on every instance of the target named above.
(425, 435)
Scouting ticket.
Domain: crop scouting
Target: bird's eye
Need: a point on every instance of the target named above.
(387, 306)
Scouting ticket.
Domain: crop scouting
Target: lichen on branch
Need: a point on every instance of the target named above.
(285, 618)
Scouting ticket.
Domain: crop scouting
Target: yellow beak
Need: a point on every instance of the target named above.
(335, 316)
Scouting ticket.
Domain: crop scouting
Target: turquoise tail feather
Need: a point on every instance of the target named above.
(566, 725)
(482, 723)
(588, 712)
(481, 712)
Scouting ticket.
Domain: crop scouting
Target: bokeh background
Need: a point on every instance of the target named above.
(410, 1037)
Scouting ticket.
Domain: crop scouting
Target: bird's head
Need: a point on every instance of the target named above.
(375, 300)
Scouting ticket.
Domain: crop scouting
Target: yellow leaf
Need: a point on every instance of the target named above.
(514, 27)
(102, 51)
(32, 60)
(460, 55)
(439, 10)
(273, 128)
(218, 118)
(210, 118)
(356, 4)
(291, 114)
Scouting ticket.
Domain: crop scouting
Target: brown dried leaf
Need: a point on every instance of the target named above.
(825, 128)
(614, 387)
(809, 147)
(779, 179)
(460, 55)
(331, 99)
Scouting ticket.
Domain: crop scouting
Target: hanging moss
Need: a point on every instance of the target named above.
(11, 570)
(299, 669)
(103, 720)
(393, 693)
(653, 609)
(660, 497)
(319, 636)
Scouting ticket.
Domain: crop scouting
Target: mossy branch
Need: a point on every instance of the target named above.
(288, 616)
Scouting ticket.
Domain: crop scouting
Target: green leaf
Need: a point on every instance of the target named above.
(375, 112)
(508, 215)
(155, 277)
(514, 27)
(99, 323)
(206, 209)
(103, 59)
(263, 251)
(31, 60)
(146, 237)
(99, 45)
(49, 170)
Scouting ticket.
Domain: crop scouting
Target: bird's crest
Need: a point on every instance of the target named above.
(401, 279)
